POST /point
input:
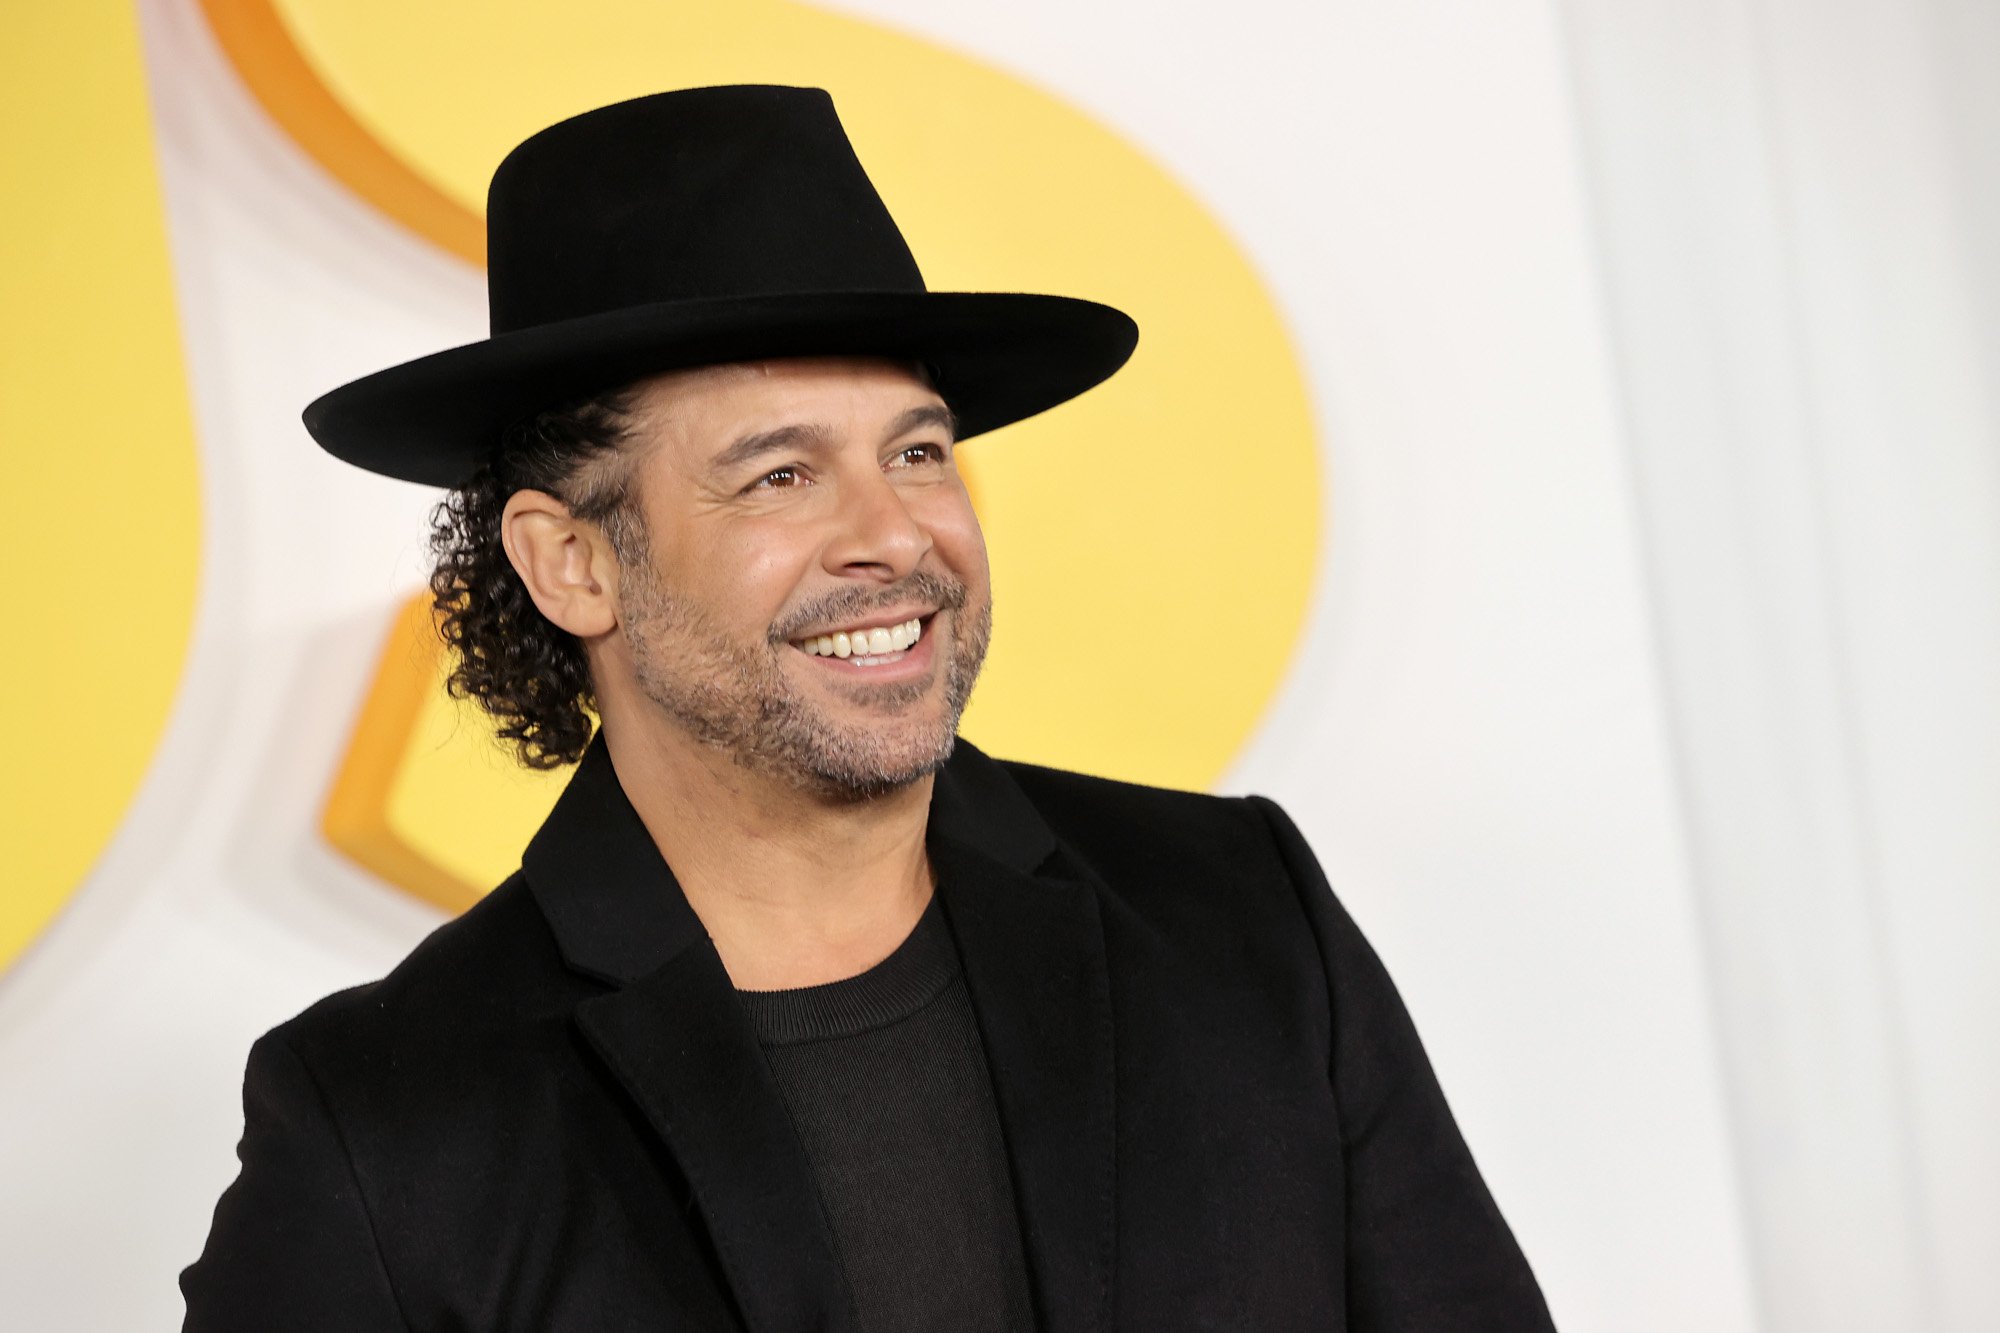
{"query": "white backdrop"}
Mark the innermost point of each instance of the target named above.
(1646, 717)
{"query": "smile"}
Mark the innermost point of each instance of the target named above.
(866, 647)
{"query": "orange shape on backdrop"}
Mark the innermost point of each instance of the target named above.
(426, 797)
(280, 77)
(357, 819)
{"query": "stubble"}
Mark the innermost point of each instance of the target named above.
(739, 700)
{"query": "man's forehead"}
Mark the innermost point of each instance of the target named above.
(734, 383)
(711, 407)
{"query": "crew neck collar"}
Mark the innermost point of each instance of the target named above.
(913, 975)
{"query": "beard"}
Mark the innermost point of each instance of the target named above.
(739, 699)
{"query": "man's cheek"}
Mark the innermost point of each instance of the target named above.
(963, 547)
(752, 577)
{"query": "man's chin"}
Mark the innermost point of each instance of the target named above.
(859, 778)
(867, 752)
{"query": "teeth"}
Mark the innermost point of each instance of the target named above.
(866, 646)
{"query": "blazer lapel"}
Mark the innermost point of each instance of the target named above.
(1032, 944)
(674, 1035)
(680, 1044)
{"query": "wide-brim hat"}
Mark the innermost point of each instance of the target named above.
(690, 228)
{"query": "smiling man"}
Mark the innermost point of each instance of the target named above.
(783, 625)
(801, 1013)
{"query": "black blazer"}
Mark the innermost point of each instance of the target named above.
(555, 1115)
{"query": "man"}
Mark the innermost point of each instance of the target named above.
(799, 1014)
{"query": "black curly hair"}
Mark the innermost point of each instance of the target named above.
(528, 673)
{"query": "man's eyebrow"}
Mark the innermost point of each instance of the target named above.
(807, 435)
(929, 414)
(797, 436)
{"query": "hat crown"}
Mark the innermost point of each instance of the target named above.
(702, 193)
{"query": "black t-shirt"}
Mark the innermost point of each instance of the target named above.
(886, 1081)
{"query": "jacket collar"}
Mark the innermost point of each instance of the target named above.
(618, 913)
(1025, 917)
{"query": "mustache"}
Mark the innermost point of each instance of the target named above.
(849, 604)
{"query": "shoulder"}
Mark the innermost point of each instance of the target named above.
(1129, 825)
(1203, 869)
(469, 986)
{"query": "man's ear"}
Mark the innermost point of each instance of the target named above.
(567, 563)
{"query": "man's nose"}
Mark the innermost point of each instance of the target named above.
(876, 533)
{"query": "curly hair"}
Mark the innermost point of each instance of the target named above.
(529, 674)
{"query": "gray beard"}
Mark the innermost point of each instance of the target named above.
(740, 702)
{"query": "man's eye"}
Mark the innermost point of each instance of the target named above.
(778, 479)
(920, 453)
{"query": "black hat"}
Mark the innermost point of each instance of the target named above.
(695, 227)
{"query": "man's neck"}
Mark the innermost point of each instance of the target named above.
(795, 889)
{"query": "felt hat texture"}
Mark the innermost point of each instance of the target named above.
(690, 228)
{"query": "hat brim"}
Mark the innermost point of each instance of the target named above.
(999, 357)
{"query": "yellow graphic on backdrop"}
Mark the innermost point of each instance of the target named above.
(1153, 543)
(105, 536)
